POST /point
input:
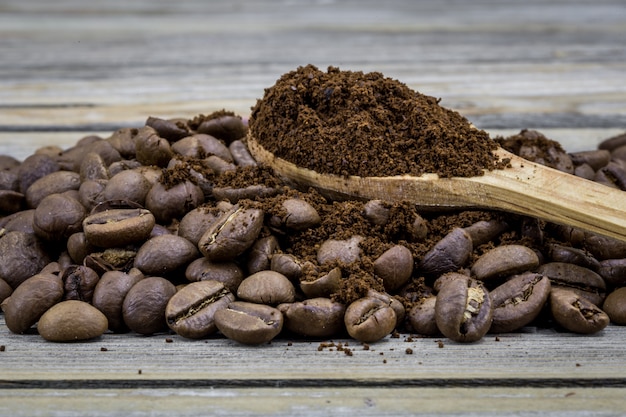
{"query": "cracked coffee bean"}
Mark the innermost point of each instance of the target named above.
(249, 323)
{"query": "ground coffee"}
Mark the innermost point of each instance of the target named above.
(352, 123)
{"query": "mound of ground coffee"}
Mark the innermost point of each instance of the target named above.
(355, 123)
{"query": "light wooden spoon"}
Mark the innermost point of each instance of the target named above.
(526, 188)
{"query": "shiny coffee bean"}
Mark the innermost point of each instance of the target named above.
(128, 185)
(190, 312)
(228, 273)
(118, 228)
(504, 260)
(485, 231)
(168, 203)
(72, 321)
(369, 319)
(151, 149)
(165, 254)
(286, 264)
(394, 267)
(518, 301)
(5, 290)
(53, 183)
(463, 309)
(109, 294)
(613, 271)
(195, 222)
(576, 313)
(449, 254)
(249, 323)
(30, 300)
(422, 317)
(58, 216)
(231, 234)
(582, 281)
(568, 254)
(168, 129)
(321, 284)
(227, 128)
(260, 254)
(144, 306)
(266, 287)
(241, 154)
(296, 214)
(392, 302)
(314, 317)
(344, 251)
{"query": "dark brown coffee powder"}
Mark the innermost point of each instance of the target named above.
(355, 123)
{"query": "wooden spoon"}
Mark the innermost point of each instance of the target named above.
(526, 188)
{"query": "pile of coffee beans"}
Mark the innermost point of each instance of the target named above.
(172, 227)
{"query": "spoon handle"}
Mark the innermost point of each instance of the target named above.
(525, 188)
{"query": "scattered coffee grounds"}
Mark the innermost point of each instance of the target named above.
(354, 123)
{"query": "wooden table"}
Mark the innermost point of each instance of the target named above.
(72, 68)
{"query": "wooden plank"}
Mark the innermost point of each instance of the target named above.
(315, 402)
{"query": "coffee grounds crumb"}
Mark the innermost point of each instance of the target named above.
(3, 348)
(355, 123)
(139, 372)
(409, 351)
(440, 344)
(103, 349)
(395, 335)
(384, 360)
(169, 340)
(366, 346)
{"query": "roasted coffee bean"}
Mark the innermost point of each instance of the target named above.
(144, 306)
(231, 234)
(53, 183)
(90, 193)
(568, 254)
(422, 317)
(394, 267)
(484, 231)
(151, 149)
(259, 256)
(249, 323)
(168, 129)
(127, 185)
(369, 319)
(21, 221)
(111, 259)
(344, 251)
(585, 171)
(79, 248)
(321, 284)
(582, 281)
(613, 271)
(518, 301)
(504, 260)
(72, 321)
(463, 310)
(219, 165)
(11, 201)
(287, 265)
(603, 247)
(450, 254)
(201, 146)
(118, 228)
(5, 290)
(79, 283)
(93, 168)
(109, 294)
(101, 147)
(314, 317)
(576, 313)
(123, 140)
(615, 306)
(228, 273)
(22, 255)
(58, 216)
(613, 142)
(166, 254)
(296, 214)
(30, 300)
(123, 165)
(173, 203)
(377, 212)
(240, 154)
(596, 159)
(227, 128)
(267, 287)
(195, 222)
(251, 192)
(396, 305)
(190, 312)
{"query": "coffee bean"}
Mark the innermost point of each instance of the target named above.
(344, 251)
(33, 168)
(53, 183)
(504, 260)
(463, 310)
(267, 287)
(518, 301)
(613, 272)
(5, 290)
(22, 255)
(151, 149)
(111, 259)
(227, 128)
(585, 171)
(422, 317)
(484, 231)
(166, 254)
(249, 323)
(296, 214)
(392, 302)
(568, 254)
(123, 140)
(615, 306)
(72, 321)
(144, 306)
(449, 254)
(604, 247)
(109, 294)
(117, 228)
(195, 222)
(394, 267)
(287, 265)
(11, 201)
(240, 154)
(168, 129)
(128, 185)
(260, 254)
(79, 283)
(93, 167)
(251, 192)
(314, 317)
(21, 221)
(201, 146)
(190, 312)
(582, 281)
(596, 159)
(167, 204)
(377, 212)
(231, 234)
(58, 216)
(369, 319)
(30, 300)
(228, 273)
(321, 284)
(576, 313)
(91, 193)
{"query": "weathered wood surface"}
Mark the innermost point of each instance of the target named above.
(71, 68)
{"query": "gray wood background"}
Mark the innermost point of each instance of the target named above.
(69, 68)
